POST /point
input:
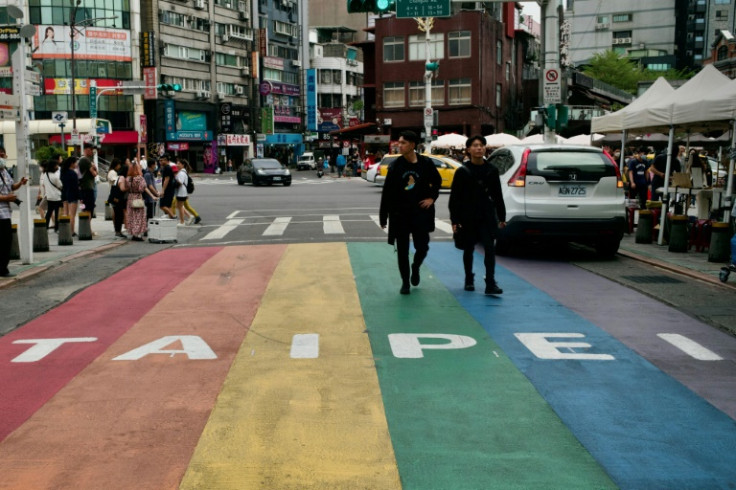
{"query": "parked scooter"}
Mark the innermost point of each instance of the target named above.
(320, 168)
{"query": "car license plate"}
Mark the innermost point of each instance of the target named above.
(572, 191)
(277, 178)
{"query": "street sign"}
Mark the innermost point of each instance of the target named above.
(133, 87)
(9, 100)
(552, 86)
(74, 137)
(104, 126)
(93, 101)
(33, 76)
(422, 8)
(428, 116)
(60, 117)
(33, 89)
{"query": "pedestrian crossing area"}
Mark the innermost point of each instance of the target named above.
(240, 226)
(297, 179)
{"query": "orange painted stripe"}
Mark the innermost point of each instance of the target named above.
(134, 424)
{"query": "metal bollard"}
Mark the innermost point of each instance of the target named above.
(14, 247)
(40, 236)
(719, 250)
(65, 231)
(85, 226)
(644, 228)
(678, 234)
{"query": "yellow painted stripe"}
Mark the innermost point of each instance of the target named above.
(287, 423)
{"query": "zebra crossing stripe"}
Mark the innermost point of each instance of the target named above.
(331, 225)
(223, 230)
(278, 226)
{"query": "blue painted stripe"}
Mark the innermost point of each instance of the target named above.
(644, 427)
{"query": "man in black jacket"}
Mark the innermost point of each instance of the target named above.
(407, 204)
(477, 211)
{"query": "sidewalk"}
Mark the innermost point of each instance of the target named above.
(57, 255)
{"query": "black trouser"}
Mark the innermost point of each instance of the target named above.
(641, 192)
(52, 207)
(150, 209)
(418, 231)
(118, 215)
(485, 238)
(88, 198)
(6, 242)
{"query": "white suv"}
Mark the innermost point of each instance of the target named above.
(560, 192)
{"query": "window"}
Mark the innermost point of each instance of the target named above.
(185, 53)
(722, 2)
(722, 53)
(721, 14)
(499, 52)
(223, 59)
(417, 92)
(508, 71)
(459, 91)
(393, 94)
(418, 47)
(602, 19)
(285, 28)
(623, 17)
(458, 44)
(499, 92)
(393, 49)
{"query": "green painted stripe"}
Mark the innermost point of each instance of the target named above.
(464, 418)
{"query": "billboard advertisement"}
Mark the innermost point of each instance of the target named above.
(90, 43)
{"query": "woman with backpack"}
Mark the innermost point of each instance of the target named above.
(51, 184)
(189, 184)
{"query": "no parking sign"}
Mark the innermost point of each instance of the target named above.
(552, 86)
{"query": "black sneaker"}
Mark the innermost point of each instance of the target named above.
(493, 289)
(197, 220)
(414, 275)
(405, 289)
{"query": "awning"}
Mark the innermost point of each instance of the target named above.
(116, 138)
(357, 130)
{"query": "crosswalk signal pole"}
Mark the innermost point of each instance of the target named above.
(430, 67)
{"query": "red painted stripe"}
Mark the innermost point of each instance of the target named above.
(116, 303)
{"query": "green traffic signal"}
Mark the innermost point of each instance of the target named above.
(169, 87)
(374, 6)
(432, 66)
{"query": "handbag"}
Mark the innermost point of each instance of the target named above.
(460, 237)
(137, 203)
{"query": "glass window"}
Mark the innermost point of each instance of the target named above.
(393, 48)
(417, 92)
(459, 91)
(499, 93)
(393, 94)
(602, 19)
(623, 17)
(458, 44)
(418, 47)
(499, 52)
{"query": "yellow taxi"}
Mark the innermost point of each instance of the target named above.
(446, 166)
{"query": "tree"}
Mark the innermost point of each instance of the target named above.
(48, 152)
(623, 73)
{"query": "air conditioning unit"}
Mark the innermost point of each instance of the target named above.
(200, 94)
(621, 40)
(240, 90)
(296, 62)
(225, 38)
(204, 94)
(199, 4)
(245, 71)
(602, 27)
(220, 95)
(243, 15)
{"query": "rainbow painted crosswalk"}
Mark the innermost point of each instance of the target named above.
(299, 366)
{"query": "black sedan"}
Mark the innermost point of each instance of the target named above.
(263, 171)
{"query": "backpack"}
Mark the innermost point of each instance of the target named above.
(190, 185)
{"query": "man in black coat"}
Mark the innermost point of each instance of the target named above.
(477, 211)
(407, 204)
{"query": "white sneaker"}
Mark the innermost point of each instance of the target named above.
(190, 220)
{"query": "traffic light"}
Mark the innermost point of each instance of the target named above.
(562, 117)
(432, 66)
(167, 88)
(551, 118)
(374, 6)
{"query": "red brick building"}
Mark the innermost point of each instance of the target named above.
(477, 89)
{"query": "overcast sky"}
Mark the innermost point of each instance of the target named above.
(532, 8)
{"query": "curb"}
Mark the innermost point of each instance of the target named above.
(693, 274)
(34, 271)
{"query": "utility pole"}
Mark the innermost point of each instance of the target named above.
(551, 52)
(425, 24)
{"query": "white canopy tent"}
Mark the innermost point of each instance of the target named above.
(613, 122)
(581, 139)
(539, 138)
(669, 113)
(501, 139)
(451, 140)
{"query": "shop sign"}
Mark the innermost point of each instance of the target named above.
(237, 139)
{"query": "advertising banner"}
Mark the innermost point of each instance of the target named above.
(90, 43)
(312, 99)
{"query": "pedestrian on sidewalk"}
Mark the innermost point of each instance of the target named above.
(51, 184)
(477, 211)
(151, 193)
(168, 186)
(637, 171)
(193, 214)
(135, 185)
(7, 196)
(87, 182)
(117, 198)
(340, 162)
(70, 191)
(407, 205)
(180, 180)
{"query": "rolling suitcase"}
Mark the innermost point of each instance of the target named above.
(161, 230)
